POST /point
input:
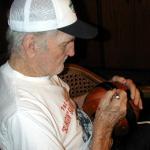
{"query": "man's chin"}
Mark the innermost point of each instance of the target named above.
(60, 69)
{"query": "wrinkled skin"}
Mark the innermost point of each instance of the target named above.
(109, 112)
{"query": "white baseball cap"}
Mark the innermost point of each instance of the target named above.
(45, 15)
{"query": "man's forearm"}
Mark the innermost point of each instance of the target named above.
(102, 140)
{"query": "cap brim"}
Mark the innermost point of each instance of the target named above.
(80, 29)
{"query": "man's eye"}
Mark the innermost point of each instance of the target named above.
(63, 46)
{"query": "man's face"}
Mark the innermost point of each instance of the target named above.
(51, 61)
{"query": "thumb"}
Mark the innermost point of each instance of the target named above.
(107, 98)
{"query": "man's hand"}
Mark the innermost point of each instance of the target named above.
(135, 94)
(110, 110)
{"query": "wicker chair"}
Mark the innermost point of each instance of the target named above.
(80, 79)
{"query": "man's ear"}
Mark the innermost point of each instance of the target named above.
(28, 45)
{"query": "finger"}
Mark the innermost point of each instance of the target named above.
(120, 79)
(135, 94)
(122, 97)
(127, 82)
(138, 100)
(140, 104)
(120, 105)
(132, 88)
(107, 98)
(116, 96)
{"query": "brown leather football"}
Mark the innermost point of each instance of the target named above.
(92, 100)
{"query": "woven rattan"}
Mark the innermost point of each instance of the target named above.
(80, 79)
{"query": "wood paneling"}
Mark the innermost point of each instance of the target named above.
(129, 24)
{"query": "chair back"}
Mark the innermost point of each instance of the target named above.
(80, 79)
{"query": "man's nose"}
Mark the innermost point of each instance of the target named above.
(71, 52)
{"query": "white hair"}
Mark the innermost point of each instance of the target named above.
(15, 39)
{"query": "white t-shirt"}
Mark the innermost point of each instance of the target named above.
(36, 113)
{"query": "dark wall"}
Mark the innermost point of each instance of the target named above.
(90, 52)
(123, 42)
(4, 6)
(129, 24)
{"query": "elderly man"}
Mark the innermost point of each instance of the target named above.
(36, 111)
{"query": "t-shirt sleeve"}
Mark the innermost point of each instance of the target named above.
(27, 133)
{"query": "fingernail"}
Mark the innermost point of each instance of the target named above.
(132, 97)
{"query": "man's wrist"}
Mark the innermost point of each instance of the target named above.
(101, 142)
